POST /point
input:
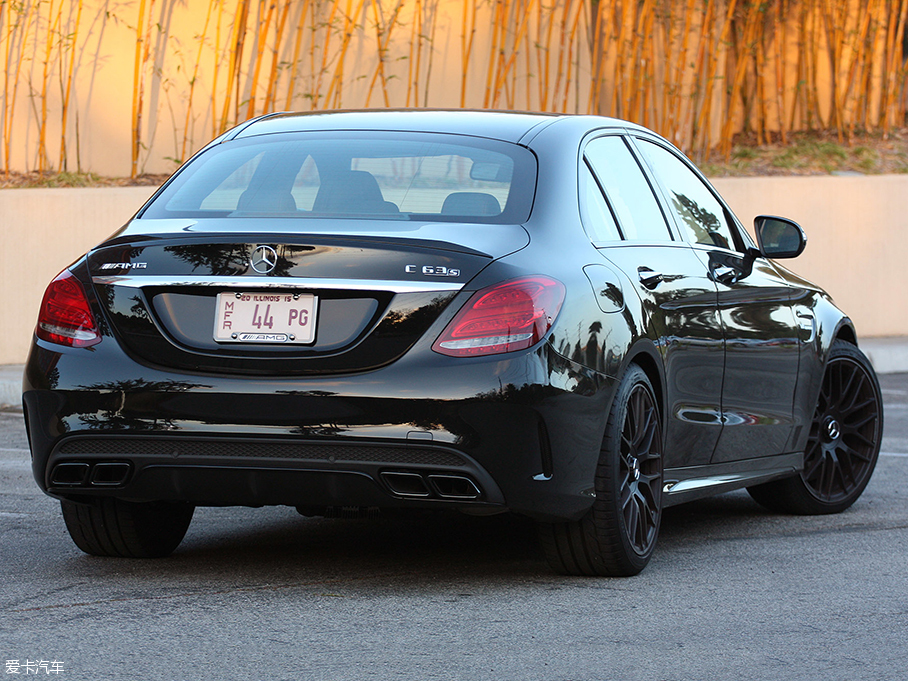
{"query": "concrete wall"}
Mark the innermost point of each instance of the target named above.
(857, 238)
(857, 229)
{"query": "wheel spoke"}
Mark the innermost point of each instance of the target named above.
(847, 396)
(853, 453)
(851, 433)
(625, 492)
(827, 477)
(812, 463)
(631, 514)
(854, 426)
(639, 417)
(645, 521)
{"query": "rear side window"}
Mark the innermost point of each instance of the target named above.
(627, 190)
(598, 221)
(356, 175)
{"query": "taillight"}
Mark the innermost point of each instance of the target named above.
(65, 316)
(506, 317)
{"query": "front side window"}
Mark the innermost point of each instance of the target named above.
(627, 190)
(699, 212)
(399, 176)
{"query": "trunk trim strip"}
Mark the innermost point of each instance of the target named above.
(280, 282)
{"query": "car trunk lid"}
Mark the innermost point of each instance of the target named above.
(366, 294)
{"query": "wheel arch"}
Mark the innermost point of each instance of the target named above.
(645, 355)
(845, 332)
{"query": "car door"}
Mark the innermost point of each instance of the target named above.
(678, 297)
(755, 308)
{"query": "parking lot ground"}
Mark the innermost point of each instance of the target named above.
(733, 592)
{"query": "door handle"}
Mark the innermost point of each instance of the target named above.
(649, 278)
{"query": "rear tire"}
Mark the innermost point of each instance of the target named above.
(617, 536)
(112, 527)
(843, 445)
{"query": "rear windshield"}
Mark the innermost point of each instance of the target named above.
(389, 176)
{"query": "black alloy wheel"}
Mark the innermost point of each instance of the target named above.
(640, 471)
(843, 444)
(618, 535)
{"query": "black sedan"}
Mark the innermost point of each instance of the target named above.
(556, 316)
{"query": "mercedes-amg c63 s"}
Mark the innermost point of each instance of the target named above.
(556, 316)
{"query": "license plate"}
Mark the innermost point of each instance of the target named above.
(265, 318)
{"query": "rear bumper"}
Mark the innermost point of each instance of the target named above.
(520, 434)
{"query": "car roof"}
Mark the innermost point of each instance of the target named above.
(508, 126)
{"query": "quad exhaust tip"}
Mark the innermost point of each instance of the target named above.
(436, 485)
(84, 474)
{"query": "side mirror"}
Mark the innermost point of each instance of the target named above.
(779, 237)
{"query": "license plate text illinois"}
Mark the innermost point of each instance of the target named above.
(265, 318)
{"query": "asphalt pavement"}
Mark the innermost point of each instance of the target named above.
(733, 592)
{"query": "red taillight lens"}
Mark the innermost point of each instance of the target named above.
(65, 316)
(506, 317)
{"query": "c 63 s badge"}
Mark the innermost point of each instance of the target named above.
(432, 271)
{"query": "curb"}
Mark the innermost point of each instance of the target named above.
(888, 355)
(11, 386)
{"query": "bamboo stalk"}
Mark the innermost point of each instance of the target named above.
(418, 65)
(779, 55)
(497, 25)
(597, 51)
(335, 89)
(316, 93)
(218, 58)
(546, 54)
(509, 65)
(271, 90)
(137, 87)
(750, 31)
(380, 53)
(238, 36)
(672, 118)
(466, 46)
(761, 88)
(891, 66)
(857, 57)
(703, 120)
(833, 23)
(430, 39)
(689, 121)
(622, 100)
(571, 39)
(295, 58)
(70, 68)
(43, 160)
(528, 59)
(260, 40)
(192, 81)
(559, 69)
(9, 101)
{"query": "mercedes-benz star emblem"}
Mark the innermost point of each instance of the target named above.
(264, 259)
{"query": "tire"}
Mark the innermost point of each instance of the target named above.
(843, 444)
(617, 535)
(112, 527)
